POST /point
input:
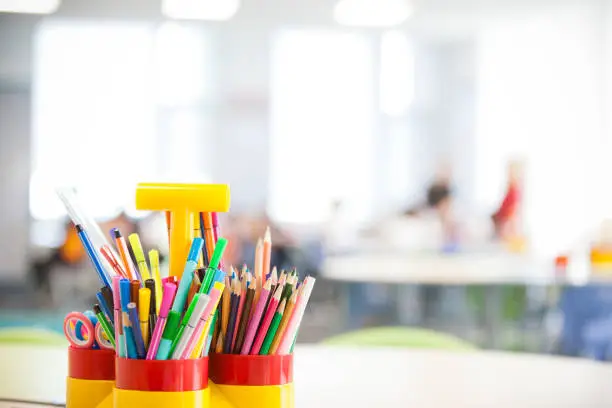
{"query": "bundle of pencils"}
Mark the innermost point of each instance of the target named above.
(260, 312)
(154, 318)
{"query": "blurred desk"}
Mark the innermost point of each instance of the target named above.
(333, 377)
(454, 269)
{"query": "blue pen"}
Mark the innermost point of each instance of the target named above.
(104, 307)
(192, 263)
(128, 330)
(140, 346)
(93, 255)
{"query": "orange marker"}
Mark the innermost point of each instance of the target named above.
(125, 255)
(209, 235)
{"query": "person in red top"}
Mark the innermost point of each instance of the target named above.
(506, 217)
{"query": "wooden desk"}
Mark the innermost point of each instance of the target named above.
(356, 378)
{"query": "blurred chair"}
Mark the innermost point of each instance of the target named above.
(400, 337)
(31, 336)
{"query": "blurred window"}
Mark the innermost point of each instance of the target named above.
(114, 103)
(322, 125)
(396, 73)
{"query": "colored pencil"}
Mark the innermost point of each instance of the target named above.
(235, 300)
(283, 324)
(278, 316)
(265, 325)
(258, 266)
(257, 316)
(244, 318)
(267, 254)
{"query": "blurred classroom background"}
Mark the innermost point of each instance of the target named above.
(440, 165)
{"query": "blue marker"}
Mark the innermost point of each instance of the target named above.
(128, 331)
(140, 346)
(93, 255)
(183, 288)
(219, 277)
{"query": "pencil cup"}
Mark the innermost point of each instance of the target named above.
(251, 381)
(161, 383)
(91, 377)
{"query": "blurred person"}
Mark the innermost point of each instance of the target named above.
(506, 218)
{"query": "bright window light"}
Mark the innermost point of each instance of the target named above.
(322, 126)
(396, 73)
(372, 13)
(219, 10)
(29, 6)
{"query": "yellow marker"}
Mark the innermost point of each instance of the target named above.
(154, 261)
(197, 350)
(144, 302)
(183, 201)
(140, 257)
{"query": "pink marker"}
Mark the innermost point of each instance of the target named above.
(118, 323)
(167, 299)
(215, 295)
(215, 227)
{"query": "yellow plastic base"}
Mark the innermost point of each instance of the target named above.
(87, 393)
(157, 399)
(239, 396)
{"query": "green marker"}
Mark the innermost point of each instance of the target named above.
(104, 323)
(186, 318)
(214, 264)
(170, 331)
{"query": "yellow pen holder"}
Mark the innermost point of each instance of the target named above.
(161, 383)
(251, 381)
(91, 377)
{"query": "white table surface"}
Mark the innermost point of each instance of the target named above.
(356, 378)
(453, 269)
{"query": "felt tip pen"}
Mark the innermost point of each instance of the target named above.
(193, 306)
(205, 258)
(105, 324)
(200, 302)
(110, 257)
(214, 264)
(172, 327)
(104, 307)
(109, 300)
(144, 306)
(157, 295)
(138, 340)
(215, 296)
(95, 260)
(168, 297)
(134, 288)
(130, 342)
(215, 226)
(124, 254)
(119, 335)
(151, 285)
(187, 278)
(140, 256)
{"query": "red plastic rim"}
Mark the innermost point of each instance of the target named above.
(234, 369)
(162, 375)
(88, 364)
